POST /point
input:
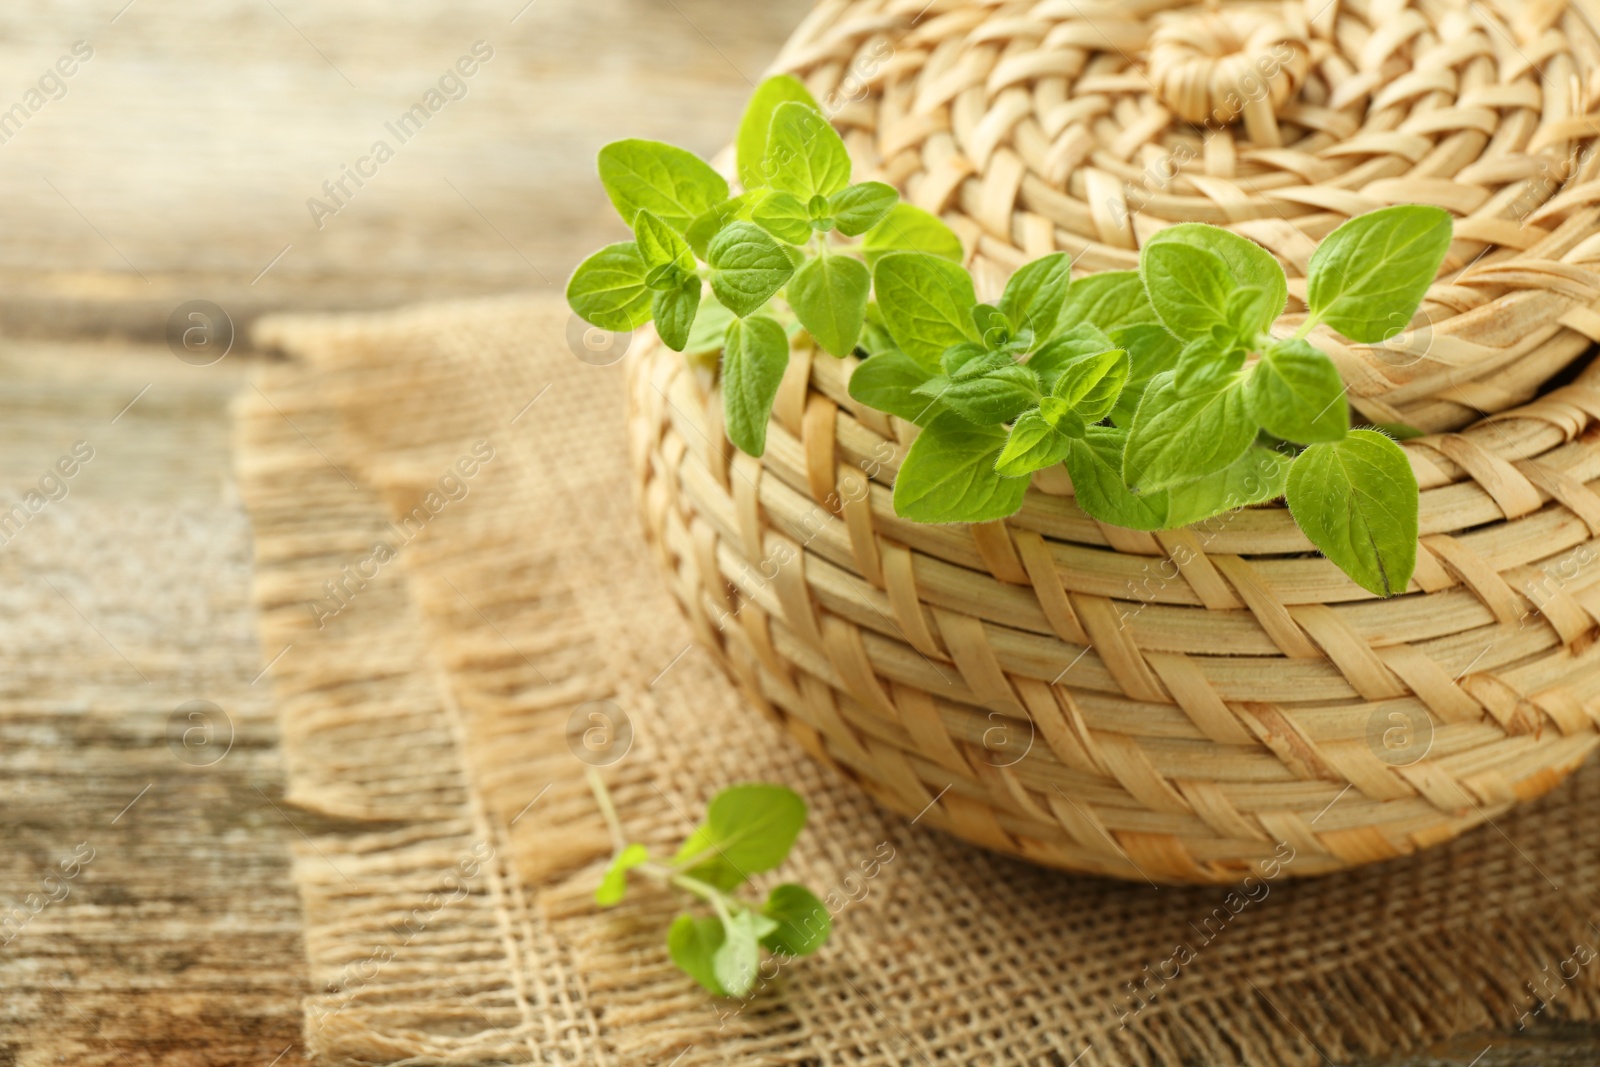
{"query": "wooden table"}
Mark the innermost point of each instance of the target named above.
(178, 166)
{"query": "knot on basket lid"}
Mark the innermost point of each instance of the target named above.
(1211, 66)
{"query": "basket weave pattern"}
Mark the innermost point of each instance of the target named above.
(1174, 706)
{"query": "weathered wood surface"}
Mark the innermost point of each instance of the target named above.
(177, 166)
(146, 909)
(180, 159)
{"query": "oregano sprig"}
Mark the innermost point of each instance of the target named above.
(749, 829)
(1164, 391)
(793, 250)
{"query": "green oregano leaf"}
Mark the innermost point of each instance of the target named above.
(987, 399)
(693, 943)
(1035, 295)
(1188, 286)
(1108, 299)
(748, 829)
(1151, 350)
(1033, 444)
(926, 302)
(1127, 405)
(1295, 393)
(858, 208)
(805, 155)
(971, 358)
(994, 328)
(1177, 437)
(1090, 384)
(1059, 413)
(662, 277)
(1208, 361)
(784, 216)
(829, 297)
(674, 184)
(736, 959)
(754, 357)
(801, 921)
(1258, 475)
(1094, 462)
(750, 146)
(948, 474)
(674, 311)
(1246, 263)
(710, 327)
(1072, 345)
(1367, 278)
(608, 288)
(875, 336)
(910, 229)
(660, 246)
(747, 267)
(709, 222)
(614, 885)
(888, 382)
(1245, 312)
(1356, 499)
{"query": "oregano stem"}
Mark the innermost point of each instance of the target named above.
(665, 875)
(704, 890)
(608, 810)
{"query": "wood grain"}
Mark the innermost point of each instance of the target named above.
(175, 939)
(180, 160)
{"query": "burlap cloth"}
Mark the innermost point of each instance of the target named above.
(439, 629)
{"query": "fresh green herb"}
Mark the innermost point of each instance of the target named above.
(857, 209)
(751, 143)
(754, 357)
(1178, 437)
(1367, 278)
(749, 829)
(949, 476)
(1163, 391)
(1188, 286)
(910, 229)
(829, 297)
(1295, 393)
(1110, 299)
(1033, 444)
(889, 381)
(747, 267)
(675, 184)
(927, 304)
(1034, 295)
(1356, 499)
(806, 157)
(608, 288)
(1248, 266)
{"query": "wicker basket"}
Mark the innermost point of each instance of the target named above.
(1182, 706)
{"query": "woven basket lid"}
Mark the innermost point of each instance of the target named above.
(1087, 125)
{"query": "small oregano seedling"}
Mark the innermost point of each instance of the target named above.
(749, 829)
(1163, 390)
